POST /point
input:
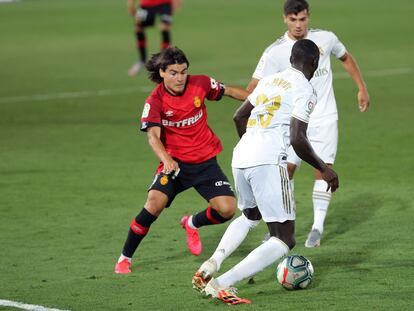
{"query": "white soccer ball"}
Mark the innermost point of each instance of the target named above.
(295, 272)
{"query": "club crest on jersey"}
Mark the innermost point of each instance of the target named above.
(164, 180)
(197, 102)
(311, 105)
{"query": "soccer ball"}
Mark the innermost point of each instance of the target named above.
(295, 272)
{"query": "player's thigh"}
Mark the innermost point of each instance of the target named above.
(166, 14)
(271, 189)
(245, 197)
(145, 16)
(324, 140)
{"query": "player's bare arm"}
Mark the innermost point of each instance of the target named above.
(304, 150)
(351, 66)
(154, 134)
(236, 92)
(241, 117)
(131, 7)
(252, 85)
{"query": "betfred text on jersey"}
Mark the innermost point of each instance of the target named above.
(188, 121)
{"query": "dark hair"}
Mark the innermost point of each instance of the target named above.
(295, 6)
(162, 60)
(304, 51)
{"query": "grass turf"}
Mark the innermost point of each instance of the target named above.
(74, 169)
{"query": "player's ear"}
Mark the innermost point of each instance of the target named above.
(162, 73)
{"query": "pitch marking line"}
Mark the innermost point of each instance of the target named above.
(111, 92)
(24, 306)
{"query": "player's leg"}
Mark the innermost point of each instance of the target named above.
(235, 233)
(160, 195)
(293, 164)
(139, 227)
(213, 185)
(166, 19)
(275, 203)
(144, 18)
(324, 140)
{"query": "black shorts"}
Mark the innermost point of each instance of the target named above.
(146, 15)
(206, 177)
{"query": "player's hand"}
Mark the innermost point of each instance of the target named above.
(331, 178)
(363, 100)
(132, 10)
(170, 166)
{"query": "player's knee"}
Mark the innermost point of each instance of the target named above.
(227, 211)
(290, 242)
(155, 204)
(251, 223)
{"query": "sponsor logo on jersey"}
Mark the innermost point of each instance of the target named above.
(213, 83)
(197, 102)
(320, 72)
(164, 180)
(321, 51)
(181, 123)
(145, 112)
(222, 183)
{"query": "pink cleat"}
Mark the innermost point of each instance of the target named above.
(123, 267)
(193, 239)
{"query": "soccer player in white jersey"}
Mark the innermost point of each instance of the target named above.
(323, 123)
(275, 114)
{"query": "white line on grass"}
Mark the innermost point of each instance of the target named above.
(24, 306)
(110, 92)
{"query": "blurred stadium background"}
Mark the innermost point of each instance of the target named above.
(74, 169)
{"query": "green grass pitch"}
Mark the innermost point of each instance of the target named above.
(74, 169)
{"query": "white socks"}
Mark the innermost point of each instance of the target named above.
(321, 200)
(258, 259)
(235, 234)
(122, 257)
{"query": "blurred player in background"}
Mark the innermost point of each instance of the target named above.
(144, 16)
(323, 124)
(278, 108)
(175, 120)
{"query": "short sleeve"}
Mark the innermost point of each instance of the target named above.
(304, 103)
(151, 114)
(265, 67)
(338, 49)
(215, 89)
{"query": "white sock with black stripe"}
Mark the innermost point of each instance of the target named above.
(321, 199)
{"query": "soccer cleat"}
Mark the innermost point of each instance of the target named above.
(123, 267)
(230, 298)
(314, 239)
(135, 68)
(193, 239)
(204, 274)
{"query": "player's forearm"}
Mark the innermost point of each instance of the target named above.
(236, 93)
(302, 146)
(252, 85)
(131, 6)
(351, 66)
(241, 116)
(158, 147)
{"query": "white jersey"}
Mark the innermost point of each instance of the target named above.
(276, 99)
(276, 58)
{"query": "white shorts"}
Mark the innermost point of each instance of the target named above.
(324, 140)
(268, 188)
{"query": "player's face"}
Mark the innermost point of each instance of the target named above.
(297, 24)
(175, 77)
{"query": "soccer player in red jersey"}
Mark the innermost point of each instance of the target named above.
(175, 120)
(144, 16)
